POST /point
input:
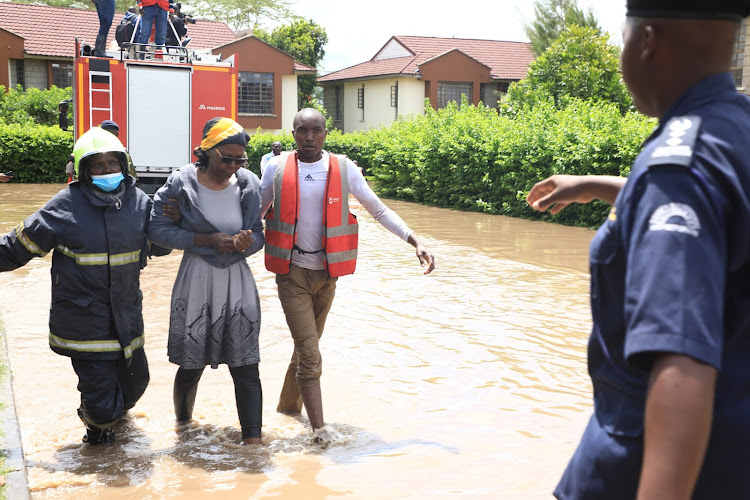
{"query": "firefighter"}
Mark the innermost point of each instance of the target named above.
(97, 231)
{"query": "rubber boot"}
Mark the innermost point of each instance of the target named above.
(96, 436)
(100, 46)
(313, 405)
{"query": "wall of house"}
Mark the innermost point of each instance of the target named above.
(411, 94)
(256, 56)
(746, 62)
(288, 101)
(378, 110)
(353, 115)
(453, 67)
(11, 47)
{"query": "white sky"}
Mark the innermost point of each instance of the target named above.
(357, 29)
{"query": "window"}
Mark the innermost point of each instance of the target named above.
(17, 73)
(339, 107)
(62, 75)
(452, 91)
(394, 96)
(255, 93)
(738, 59)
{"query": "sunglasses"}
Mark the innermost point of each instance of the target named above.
(227, 160)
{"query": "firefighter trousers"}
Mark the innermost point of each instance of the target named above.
(109, 388)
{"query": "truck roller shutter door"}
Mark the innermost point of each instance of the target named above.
(159, 117)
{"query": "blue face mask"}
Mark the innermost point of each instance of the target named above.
(107, 182)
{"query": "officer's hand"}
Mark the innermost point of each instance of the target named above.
(557, 192)
(4, 178)
(242, 240)
(172, 211)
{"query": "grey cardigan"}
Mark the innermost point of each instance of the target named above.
(182, 185)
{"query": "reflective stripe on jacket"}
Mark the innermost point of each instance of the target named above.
(340, 235)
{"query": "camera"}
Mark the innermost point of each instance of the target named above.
(8, 174)
(185, 17)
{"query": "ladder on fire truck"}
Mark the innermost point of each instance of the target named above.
(99, 77)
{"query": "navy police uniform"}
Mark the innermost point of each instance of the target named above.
(670, 272)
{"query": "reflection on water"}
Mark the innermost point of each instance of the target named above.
(468, 383)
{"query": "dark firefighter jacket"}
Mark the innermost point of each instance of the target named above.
(99, 249)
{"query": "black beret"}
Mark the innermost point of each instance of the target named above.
(690, 9)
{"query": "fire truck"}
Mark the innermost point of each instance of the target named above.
(160, 102)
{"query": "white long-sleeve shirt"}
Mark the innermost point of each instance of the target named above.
(312, 186)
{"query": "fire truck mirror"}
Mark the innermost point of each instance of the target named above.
(63, 109)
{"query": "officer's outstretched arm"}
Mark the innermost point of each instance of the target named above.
(679, 409)
(558, 191)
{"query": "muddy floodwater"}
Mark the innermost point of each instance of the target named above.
(468, 383)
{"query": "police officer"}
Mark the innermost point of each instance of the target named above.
(669, 353)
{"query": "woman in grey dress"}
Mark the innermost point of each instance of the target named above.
(215, 317)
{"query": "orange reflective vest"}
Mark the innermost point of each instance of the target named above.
(341, 229)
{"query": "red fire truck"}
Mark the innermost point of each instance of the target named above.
(160, 104)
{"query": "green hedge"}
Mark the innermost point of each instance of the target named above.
(472, 159)
(468, 158)
(35, 153)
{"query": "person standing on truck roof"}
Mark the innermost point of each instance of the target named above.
(275, 151)
(311, 240)
(97, 229)
(215, 315)
(105, 9)
(154, 12)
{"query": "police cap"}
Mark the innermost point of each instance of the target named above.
(690, 9)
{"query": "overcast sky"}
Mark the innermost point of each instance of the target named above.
(358, 29)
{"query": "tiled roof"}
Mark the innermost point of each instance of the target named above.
(298, 66)
(50, 31)
(506, 60)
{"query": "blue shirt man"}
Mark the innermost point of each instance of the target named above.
(669, 350)
(275, 151)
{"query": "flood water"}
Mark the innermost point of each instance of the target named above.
(467, 383)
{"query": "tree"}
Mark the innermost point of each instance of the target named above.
(582, 64)
(239, 14)
(305, 41)
(550, 19)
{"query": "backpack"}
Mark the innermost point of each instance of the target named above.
(124, 31)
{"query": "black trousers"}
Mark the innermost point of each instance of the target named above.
(109, 388)
(247, 392)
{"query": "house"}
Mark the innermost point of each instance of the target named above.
(407, 69)
(267, 94)
(40, 46)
